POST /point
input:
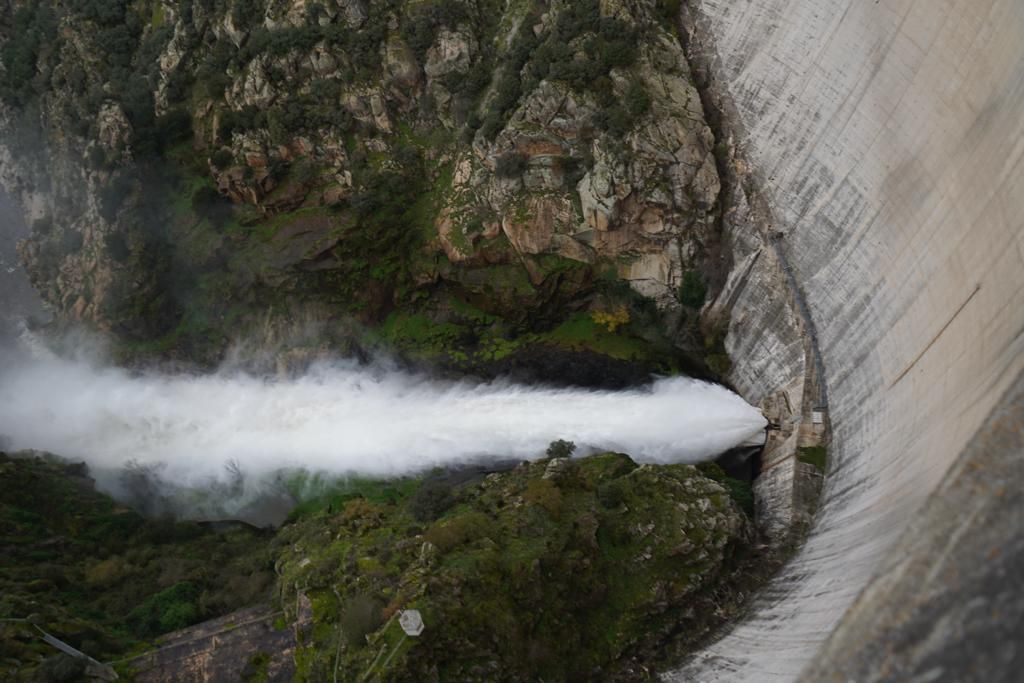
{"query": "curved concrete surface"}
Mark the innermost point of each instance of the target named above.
(887, 137)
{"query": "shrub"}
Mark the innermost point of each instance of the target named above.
(669, 11)
(742, 492)
(638, 101)
(611, 494)
(430, 501)
(510, 164)
(108, 572)
(113, 195)
(178, 615)
(117, 247)
(617, 121)
(34, 28)
(491, 125)
(173, 127)
(611, 319)
(247, 118)
(421, 28)
(359, 510)
(245, 13)
(576, 18)
(573, 170)
(209, 204)
(204, 198)
(545, 493)
(305, 171)
(510, 88)
(448, 534)
(61, 668)
(692, 291)
(168, 610)
(222, 159)
(212, 83)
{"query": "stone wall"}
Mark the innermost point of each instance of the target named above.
(886, 139)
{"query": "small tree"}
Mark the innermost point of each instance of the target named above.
(560, 449)
(692, 291)
(510, 164)
(222, 159)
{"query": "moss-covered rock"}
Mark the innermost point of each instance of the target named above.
(554, 570)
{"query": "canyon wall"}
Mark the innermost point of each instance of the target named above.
(887, 140)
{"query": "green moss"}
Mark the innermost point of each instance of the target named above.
(814, 455)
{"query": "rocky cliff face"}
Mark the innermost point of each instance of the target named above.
(187, 166)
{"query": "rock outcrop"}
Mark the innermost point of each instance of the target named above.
(555, 569)
(525, 141)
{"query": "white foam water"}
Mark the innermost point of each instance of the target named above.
(348, 419)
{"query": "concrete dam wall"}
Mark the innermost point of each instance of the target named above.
(883, 184)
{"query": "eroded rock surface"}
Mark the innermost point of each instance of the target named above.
(485, 150)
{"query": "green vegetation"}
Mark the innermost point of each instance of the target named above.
(606, 42)
(668, 11)
(509, 88)
(469, 338)
(546, 569)
(212, 268)
(318, 492)
(560, 449)
(100, 576)
(32, 38)
(814, 455)
(541, 572)
(258, 669)
(427, 18)
(582, 331)
(715, 355)
(510, 165)
(742, 492)
(692, 291)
